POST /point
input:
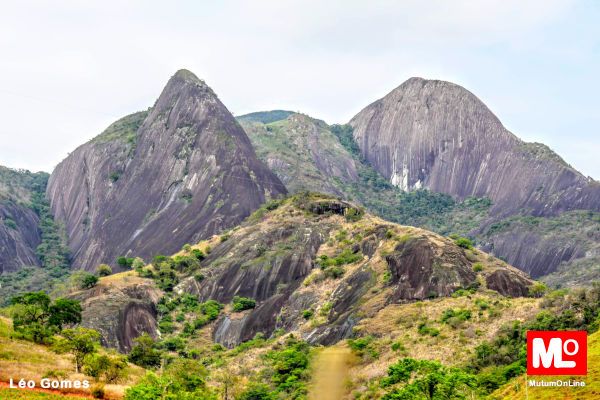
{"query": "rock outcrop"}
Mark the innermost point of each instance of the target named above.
(437, 135)
(19, 237)
(19, 224)
(320, 255)
(121, 309)
(155, 180)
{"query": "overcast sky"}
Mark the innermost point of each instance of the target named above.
(70, 68)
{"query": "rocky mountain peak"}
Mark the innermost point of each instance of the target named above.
(438, 135)
(184, 171)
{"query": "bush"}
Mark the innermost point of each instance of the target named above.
(243, 303)
(198, 254)
(144, 352)
(125, 262)
(463, 242)
(88, 281)
(307, 314)
(334, 272)
(477, 267)
(425, 329)
(455, 317)
(103, 270)
(257, 391)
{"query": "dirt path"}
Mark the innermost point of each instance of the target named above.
(330, 373)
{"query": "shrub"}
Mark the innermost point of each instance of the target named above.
(334, 272)
(103, 270)
(307, 314)
(477, 267)
(538, 289)
(463, 242)
(424, 329)
(89, 281)
(125, 262)
(198, 254)
(363, 346)
(243, 303)
(257, 391)
(144, 352)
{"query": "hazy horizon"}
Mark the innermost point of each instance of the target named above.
(70, 69)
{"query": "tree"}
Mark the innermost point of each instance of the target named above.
(89, 281)
(80, 342)
(144, 353)
(35, 316)
(111, 367)
(103, 270)
(125, 262)
(243, 303)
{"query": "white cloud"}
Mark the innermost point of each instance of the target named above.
(69, 68)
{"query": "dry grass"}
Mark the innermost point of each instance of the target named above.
(20, 359)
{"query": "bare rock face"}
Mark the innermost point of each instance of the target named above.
(121, 311)
(156, 180)
(19, 236)
(419, 270)
(437, 135)
(278, 258)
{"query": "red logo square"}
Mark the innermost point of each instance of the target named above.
(557, 353)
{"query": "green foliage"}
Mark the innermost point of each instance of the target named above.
(504, 357)
(307, 314)
(114, 176)
(455, 318)
(424, 380)
(463, 242)
(87, 281)
(290, 368)
(424, 329)
(266, 117)
(538, 289)
(110, 367)
(103, 270)
(364, 346)
(257, 391)
(183, 379)
(198, 254)
(80, 342)
(125, 262)
(347, 256)
(10, 223)
(477, 267)
(243, 303)
(144, 352)
(37, 318)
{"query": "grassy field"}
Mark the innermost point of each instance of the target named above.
(21, 359)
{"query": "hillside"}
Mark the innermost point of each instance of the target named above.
(154, 180)
(33, 252)
(439, 136)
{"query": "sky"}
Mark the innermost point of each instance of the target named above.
(70, 68)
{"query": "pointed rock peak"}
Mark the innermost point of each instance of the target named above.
(187, 76)
(184, 84)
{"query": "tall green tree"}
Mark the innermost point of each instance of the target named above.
(37, 317)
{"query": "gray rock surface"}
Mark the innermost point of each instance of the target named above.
(19, 236)
(156, 180)
(438, 135)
